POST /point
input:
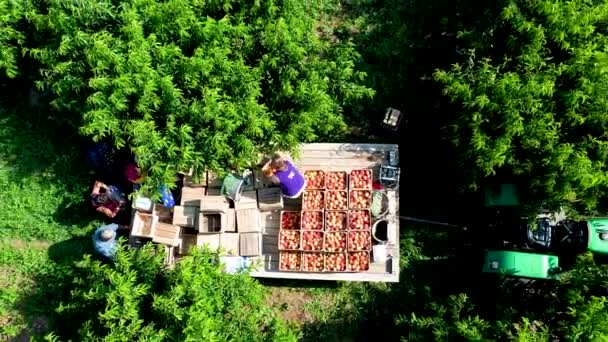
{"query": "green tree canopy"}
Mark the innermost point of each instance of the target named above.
(203, 84)
(533, 99)
(137, 299)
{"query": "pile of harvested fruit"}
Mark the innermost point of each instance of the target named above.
(335, 180)
(360, 199)
(315, 179)
(290, 220)
(312, 220)
(332, 232)
(290, 261)
(361, 179)
(335, 220)
(313, 200)
(336, 200)
(312, 240)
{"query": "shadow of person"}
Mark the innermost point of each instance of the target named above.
(69, 251)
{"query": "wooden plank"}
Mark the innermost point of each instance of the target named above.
(270, 219)
(212, 241)
(349, 147)
(230, 221)
(166, 234)
(361, 276)
(329, 164)
(271, 231)
(269, 244)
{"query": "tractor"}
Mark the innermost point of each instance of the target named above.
(537, 249)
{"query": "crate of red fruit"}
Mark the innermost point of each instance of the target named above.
(312, 262)
(313, 200)
(359, 219)
(360, 199)
(289, 239)
(335, 262)
(335, 242)
(315, 179)
(336, 220)
(336, 200)
(312, 220)
(312, 240)
(290, 261)
(336, 180)
(359, 240)
(357, 261)
(290, 220)
(360, 179)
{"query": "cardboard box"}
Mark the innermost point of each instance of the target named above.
(167, 234)
(270, 199)
(185, 216)
(212, 241)
(248, 200)
(192, 196)
(250, 244)
(248, 221)
(229, 243)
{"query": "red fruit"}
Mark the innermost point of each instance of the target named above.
(289, 239)
(313, 200)
(335, 180)
(361, 179)
(312, 220)
(359, 240)
(312, 241)
(335, 262)
(290, 220)
(360, 199)
(335, 220)
(359, 219)
(314, 179)
(290, 261)
(312, 262)
(358, 261)
(335, 242)
(336, 200)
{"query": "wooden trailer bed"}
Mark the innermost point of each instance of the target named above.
(333, 157)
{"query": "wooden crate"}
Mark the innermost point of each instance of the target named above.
(213, 192)
(213, 180)
(250, 244)
(185, 216)
(167, 234)
(187, 241)
(212, 241)
(143, 224)
(230, 221)
(163, 213)
(211, 222)
(248, 221)
(270, 199)
(248, 200)
(169, 255)
(214, 204)
(229, 243)
(192, 196)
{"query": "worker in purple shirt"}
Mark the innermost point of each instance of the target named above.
(284, 173)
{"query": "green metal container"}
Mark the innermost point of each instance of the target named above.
(232, 186)
(521, 264)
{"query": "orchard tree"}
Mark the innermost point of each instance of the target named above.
(533, 99)
(203, 84)
(11, 12)
(137, 298)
